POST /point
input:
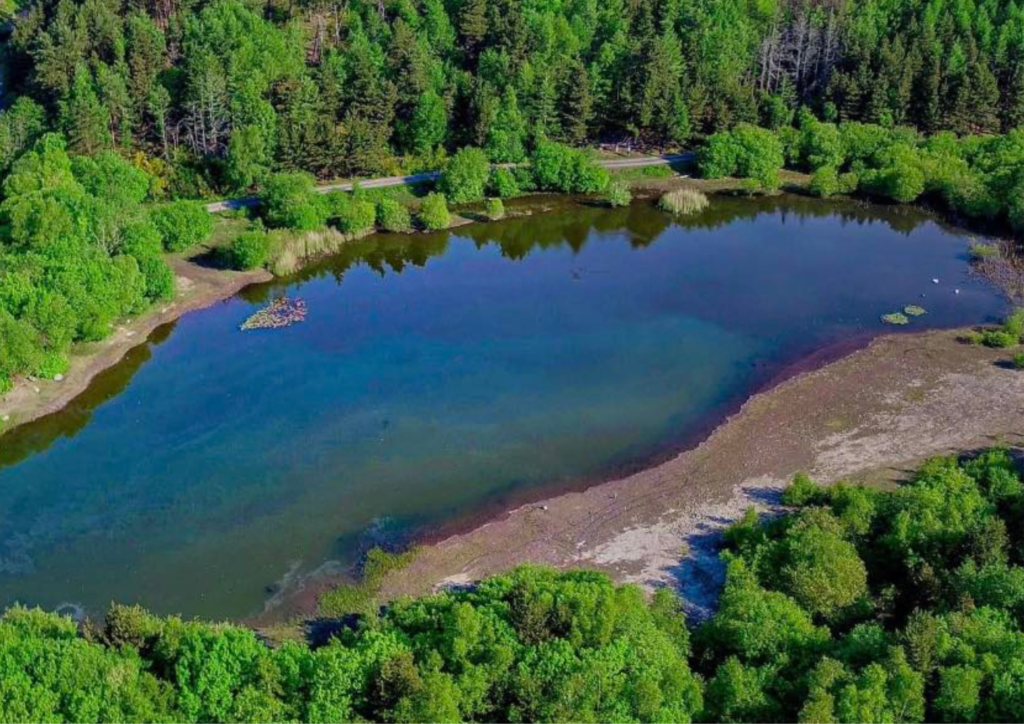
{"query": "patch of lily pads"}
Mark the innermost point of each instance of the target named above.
(902, 318)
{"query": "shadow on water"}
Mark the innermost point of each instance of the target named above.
(531, 227)
(38, 435)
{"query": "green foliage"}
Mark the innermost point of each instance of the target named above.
(618, 194)
(825, 182)
(182, 224)
(557, 167)
(1018, 360)
(494, 209)
(980, 251)
(465, 177)
(393, 216)
(76, 253)
(895, 318)
(288, 200)
(249, 250)
(747, 152)
(532, 645)
(350, 214)
(1008, 335)
(862, 605)
(434, 212)
(504, 184)
(916, 587)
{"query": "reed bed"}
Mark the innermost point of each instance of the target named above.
(683, 202)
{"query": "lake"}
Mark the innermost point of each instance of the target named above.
(439, 376)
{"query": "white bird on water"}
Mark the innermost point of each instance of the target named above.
(935, 281)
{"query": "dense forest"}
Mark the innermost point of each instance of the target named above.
(857, 605)
(118, 115)
(214, 95)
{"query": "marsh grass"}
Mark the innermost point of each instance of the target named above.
(288, 250)
(362, 597)
(683, 202)
(979, 251)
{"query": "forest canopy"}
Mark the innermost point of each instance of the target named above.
(857, 605)
(215, 95)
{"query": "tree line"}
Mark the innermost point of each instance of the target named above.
(859, 604)
(212, 96)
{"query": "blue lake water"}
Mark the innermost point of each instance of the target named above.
(435, 377)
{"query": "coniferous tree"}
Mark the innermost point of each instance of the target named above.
(575, 103)
(84, 119)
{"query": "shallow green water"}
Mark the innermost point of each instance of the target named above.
(435, 377)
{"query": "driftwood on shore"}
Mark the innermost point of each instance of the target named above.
(282, 312)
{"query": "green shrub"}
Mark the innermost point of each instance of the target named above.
(999, 339)
(434, 212)
(504, 184)
(825, 182)
(747, 152)
(1008, 335)
(393, 216)
(494, 209)
(466, 175)
(159, 278)
(183, 224)
(618, 194)
(683, 202)
(561, 168)
(821, 144)
(1014, 324)
(351, 215)
(719, 156)
(249, 250)
(1018, 360)
(289, 201)
(53, 364)
(913, 310)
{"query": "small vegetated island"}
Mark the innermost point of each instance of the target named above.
(123, 119)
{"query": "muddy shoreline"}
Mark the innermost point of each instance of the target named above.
(198, 287)
(471, 546)
(670, 449)
(870, 416)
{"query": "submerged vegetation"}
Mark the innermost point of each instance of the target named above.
(896, 318)
(858, 605)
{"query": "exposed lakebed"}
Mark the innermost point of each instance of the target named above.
(436, 376)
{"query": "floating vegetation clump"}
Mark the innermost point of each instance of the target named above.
(280, 313)
(895, 318)
(980, 251)
(683, 202)
(912, 310)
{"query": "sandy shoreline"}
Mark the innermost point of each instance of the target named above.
(198, 287)
(869, 416)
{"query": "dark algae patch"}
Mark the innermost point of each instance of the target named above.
(438, 375)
